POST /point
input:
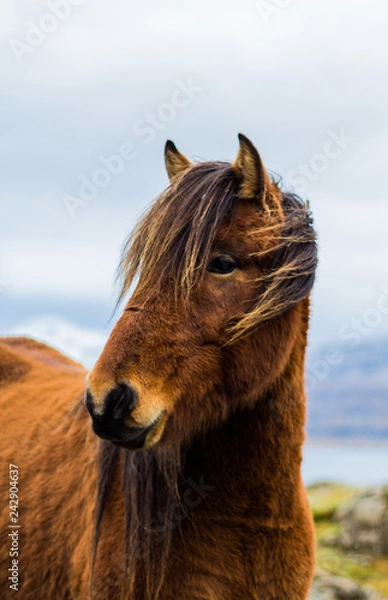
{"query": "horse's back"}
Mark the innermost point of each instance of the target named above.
(36, 381)
(46, 434)
(20, 354)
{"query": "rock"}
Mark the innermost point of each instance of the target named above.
(364, 522)
(328, 587)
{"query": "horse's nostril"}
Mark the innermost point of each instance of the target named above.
(120, 401)
(89, 402)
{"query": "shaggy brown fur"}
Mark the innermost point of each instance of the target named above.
(208, 367)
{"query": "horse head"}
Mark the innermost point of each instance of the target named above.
(219, 268)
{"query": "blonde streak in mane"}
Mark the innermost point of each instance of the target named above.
(271, 303)
(143, 250)
(191, 259)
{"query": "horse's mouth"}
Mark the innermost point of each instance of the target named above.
(135, 438)
(131, 438)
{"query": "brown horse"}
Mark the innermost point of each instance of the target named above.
(195, 491)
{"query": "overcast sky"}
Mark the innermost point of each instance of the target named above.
(81, 81)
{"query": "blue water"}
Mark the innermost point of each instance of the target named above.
(352, 464)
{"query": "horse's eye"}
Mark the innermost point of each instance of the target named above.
(222, 264)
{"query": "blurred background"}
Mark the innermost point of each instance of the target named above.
(91, 90)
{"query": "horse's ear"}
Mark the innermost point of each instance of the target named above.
(175, 161)
(250, 170)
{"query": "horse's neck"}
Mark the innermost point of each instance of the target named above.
(240, 477)
(251, 465)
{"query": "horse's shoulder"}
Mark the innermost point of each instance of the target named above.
(18, 355)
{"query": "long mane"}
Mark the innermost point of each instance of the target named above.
(177, 234)
(151, 483)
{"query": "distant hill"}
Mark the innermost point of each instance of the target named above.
(348, 392)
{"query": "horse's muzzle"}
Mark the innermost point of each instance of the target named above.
(109, 423)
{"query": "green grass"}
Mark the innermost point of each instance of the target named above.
(326, 498)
